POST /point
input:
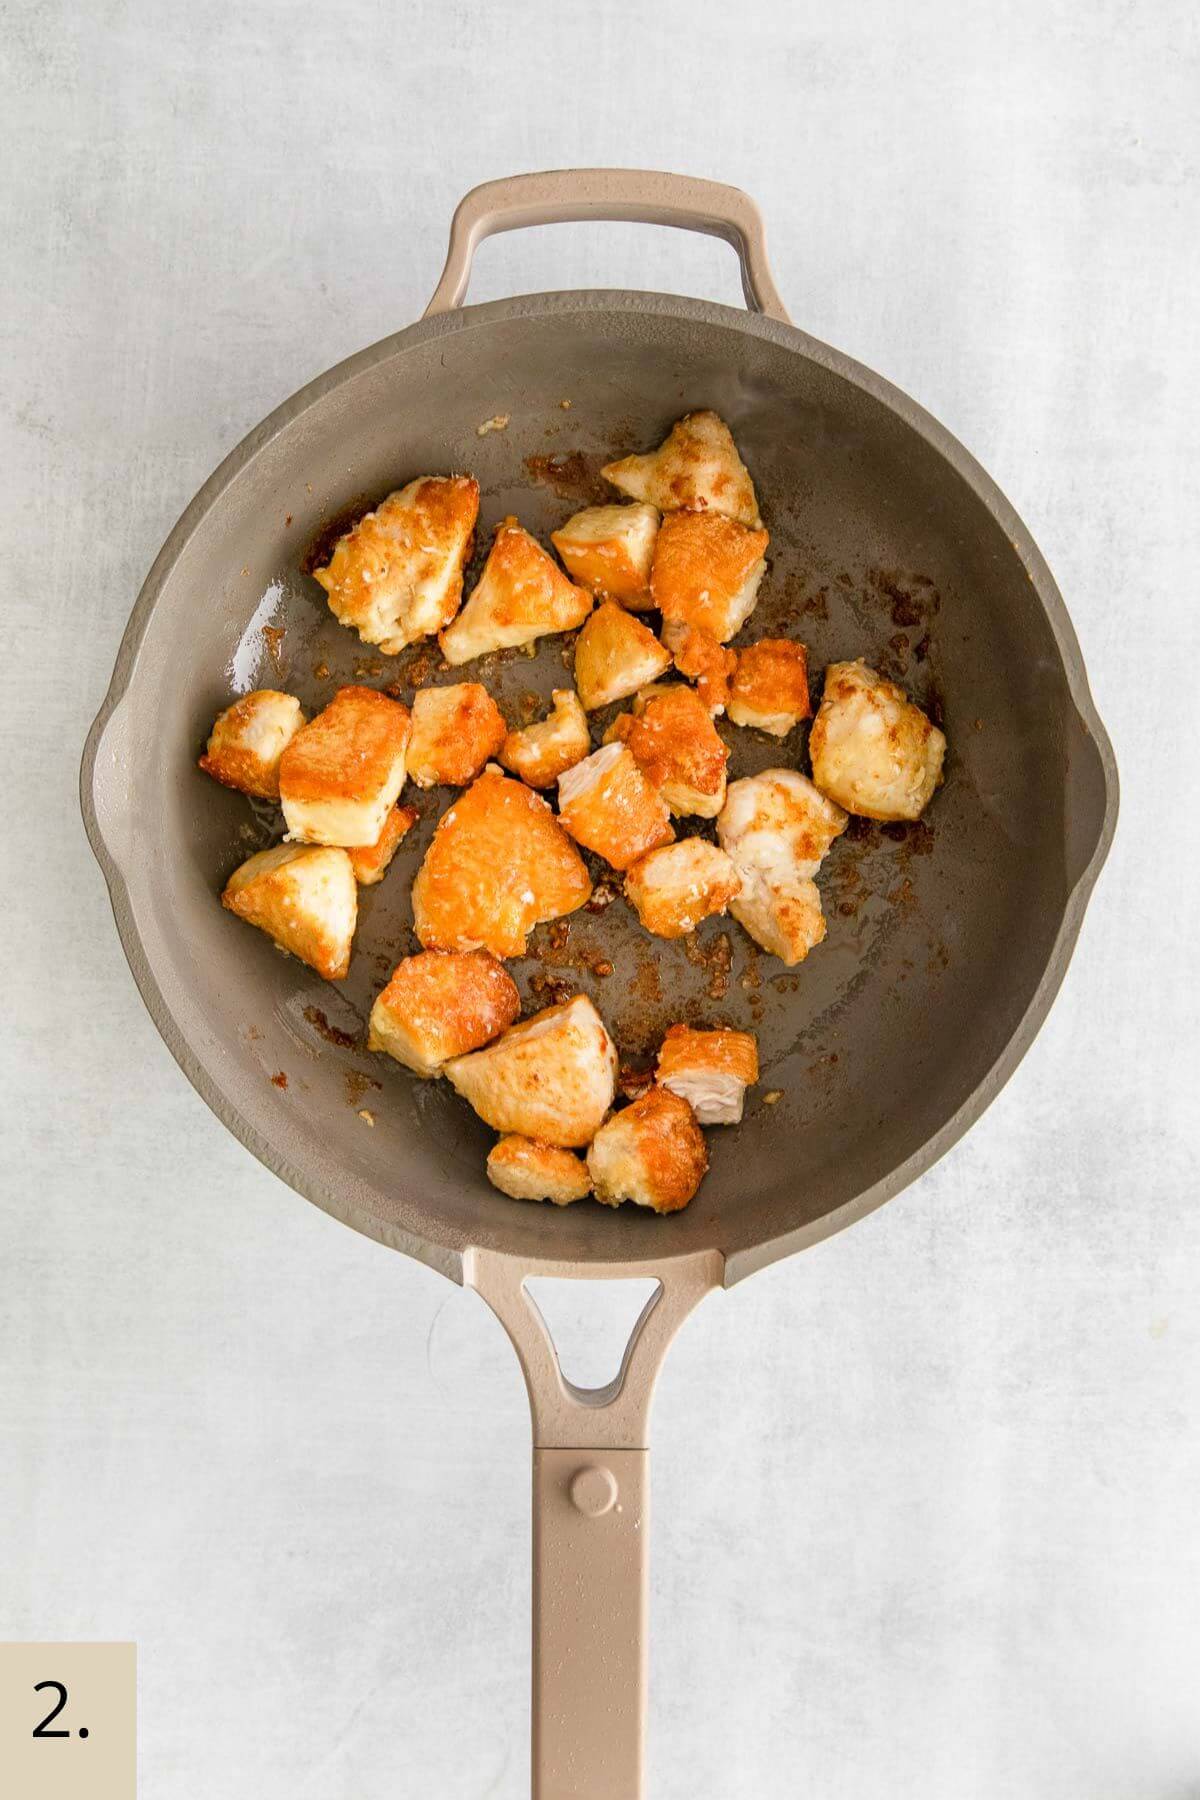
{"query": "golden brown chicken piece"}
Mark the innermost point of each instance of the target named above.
(306, 899)
(777, 827)
(526, 1170)
(440, 1004)
(872, 749)
(552, 1077)
(706, 572)
(674, 888)
(770, 686)
(521, 595)
(454, 731)
(370, 861)
(697, 465)
(397, 576)
(676, 746)
(615, 655)
(652, 1153)
(606, 804)
(540, 753)
(609, 549)
(499, 864)
(341, 774)
(711, 1070)
(248, 739)
(701, 658)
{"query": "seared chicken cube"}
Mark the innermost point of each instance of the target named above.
(676, 887)
(777, 827)
(397, 576)
(521, 595)
(676, 746)
(607, 805)
(770, 686)
(782, 913)
(341, 774)
(872, 749)
(454, 732)
(306, 899)
(615, 655)
(370, 861)
(652, 1153)
(540, 753)
(711, 1070)
(441, 1004)
(609, 549)
(697, 465)
(499, 864)
(552, 1077)
(706, 572)
(526, 1170)
(702, 658)
(248, 739)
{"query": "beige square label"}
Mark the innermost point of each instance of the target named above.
(68, 1721)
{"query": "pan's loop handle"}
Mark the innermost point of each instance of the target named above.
(590, 1526)
(646, 196)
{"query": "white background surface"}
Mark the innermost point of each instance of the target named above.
(926, 1498)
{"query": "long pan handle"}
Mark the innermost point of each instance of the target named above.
(590, 1526)
(646, 196)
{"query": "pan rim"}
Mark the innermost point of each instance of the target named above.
(446, 1257)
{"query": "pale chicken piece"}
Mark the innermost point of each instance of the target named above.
(609, 549)
(770, 686)
(340, 776)
(697, 465)
(872, 749)
(440, 1004)
(306, 899)
(552, 1077)
(676, 745)
(615, 655)
(521, 595)
(652, 1153)
(777, 827)
(499, 864)
(370, 861)
(248, 739)
(524, 1169)
(702, 659)
(454, 732)
(674, 888)
(397, 576)
(711, 1070)
(707, 571)
(540, 753)
(606, 804)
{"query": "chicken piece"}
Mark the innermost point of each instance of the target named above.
(609, 549)
(526, 1170)
(770, 686)
(398, 575)
(454, 732)
(499, 864)
(521, 595)
(370, 861)
(340, 776)
(552, 1077)
(615, 655)
(672, 889)
(676, 746)
(706, 572)
(652, 1153)
(306, 899)
(248, 739)
(872, 749)
(711, 1070)
(440, 1004)
(701, 658)
(777, 827)
(697, 465)
(540, 753)
(608, 806)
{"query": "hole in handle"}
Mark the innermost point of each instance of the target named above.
(585, 1320)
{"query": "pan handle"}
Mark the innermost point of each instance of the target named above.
(590, 1525)
(648, 196)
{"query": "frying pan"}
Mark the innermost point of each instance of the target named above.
(947, 940)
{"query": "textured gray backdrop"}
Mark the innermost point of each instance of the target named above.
(926, 1498)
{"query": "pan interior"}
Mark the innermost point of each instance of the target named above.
(939, 933)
